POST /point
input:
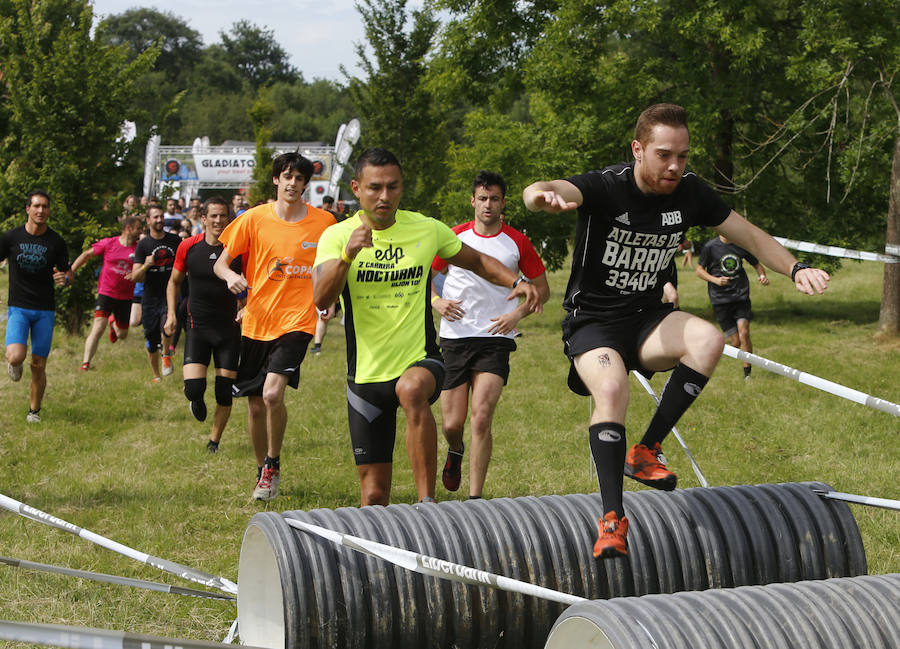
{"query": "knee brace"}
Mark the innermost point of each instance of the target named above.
(194, 389)
(224, 396)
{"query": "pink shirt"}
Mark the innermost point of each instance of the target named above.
(117, 262)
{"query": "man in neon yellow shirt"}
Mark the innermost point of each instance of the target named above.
(378, 263)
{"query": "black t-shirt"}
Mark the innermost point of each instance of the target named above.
(31, 262)
(210, 304)
(163, 251)
(625, 239)
(725, 260)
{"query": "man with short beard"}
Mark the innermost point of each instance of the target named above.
(631, 219)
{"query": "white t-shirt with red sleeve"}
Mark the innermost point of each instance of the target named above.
(482, 300)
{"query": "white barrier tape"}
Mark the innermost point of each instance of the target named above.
(232, 632)
(821, 384)
(433, 567)
(171, 567)
(835, 251)
(74, 637)
(892, 249)
(884, 503)
(649, 388)
(113, 579)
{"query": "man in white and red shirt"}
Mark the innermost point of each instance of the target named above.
(477, 329)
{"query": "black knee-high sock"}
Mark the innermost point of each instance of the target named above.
(608, 450)
(681, 390)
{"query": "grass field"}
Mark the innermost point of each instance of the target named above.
(123, 458)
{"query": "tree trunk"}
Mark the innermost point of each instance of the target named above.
(889, 318)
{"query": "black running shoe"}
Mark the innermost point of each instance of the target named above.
(452, 473)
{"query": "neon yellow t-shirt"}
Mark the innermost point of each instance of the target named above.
(386, 301)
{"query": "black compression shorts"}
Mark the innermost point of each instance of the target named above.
(222, 344)
(372, 414)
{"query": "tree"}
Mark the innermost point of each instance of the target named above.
(849, 62)
(398, 112)
(255, 53)
(142, 29)
(260, 115)
(66, 97)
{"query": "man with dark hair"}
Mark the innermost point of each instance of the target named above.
(378, 262)
(38, 258)
(477, 329)
(277, 242)
(115, 287)
(172, 217)
(631, 218)
(721, 264)
(153, 261)
(212, 328)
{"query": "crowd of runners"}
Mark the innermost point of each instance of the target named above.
(250, 291)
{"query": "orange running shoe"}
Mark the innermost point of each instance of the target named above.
(648, 465)
(611, 539)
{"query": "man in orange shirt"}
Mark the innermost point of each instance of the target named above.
(278, 243)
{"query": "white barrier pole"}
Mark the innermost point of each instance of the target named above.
(171, 567)
(73, 637)
(649, 388)
(434, 567)
(113, 579)
(821, 384)
(835, 251)
(884, 503)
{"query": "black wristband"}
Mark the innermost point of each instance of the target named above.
(798, 266)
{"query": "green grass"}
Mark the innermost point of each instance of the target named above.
(123, 458)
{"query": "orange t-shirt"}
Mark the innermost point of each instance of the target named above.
(279, 260)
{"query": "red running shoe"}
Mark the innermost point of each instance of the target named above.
(611, 539)
(648, 466)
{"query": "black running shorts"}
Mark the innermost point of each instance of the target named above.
(728, 315)
(121, 309)
(625, 335)
(465, 356)
(260, 357)
(372, 414)
(153, 317)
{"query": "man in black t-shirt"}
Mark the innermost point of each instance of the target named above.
(721, 265)
(38, 258)
(153, 261)
(212, 328)
(631, 218)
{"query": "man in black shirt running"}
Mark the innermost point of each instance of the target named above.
(631, 218)
(153, 261)
(212, 329)
(38, 258)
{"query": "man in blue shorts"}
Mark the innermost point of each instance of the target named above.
(38, 258)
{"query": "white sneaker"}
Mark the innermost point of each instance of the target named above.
(33, 417)
(14, 371)
(267, 487)
(167, 365)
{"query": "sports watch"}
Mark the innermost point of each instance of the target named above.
(798, 266)
(521, 278)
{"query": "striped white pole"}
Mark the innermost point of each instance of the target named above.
(74, 637)
(809, 379)
(210, 581)
(433, 567)
(884, 503)
(649, 388)
(835, 251)
(113, 579)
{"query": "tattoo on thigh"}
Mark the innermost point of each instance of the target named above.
(604, 360)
